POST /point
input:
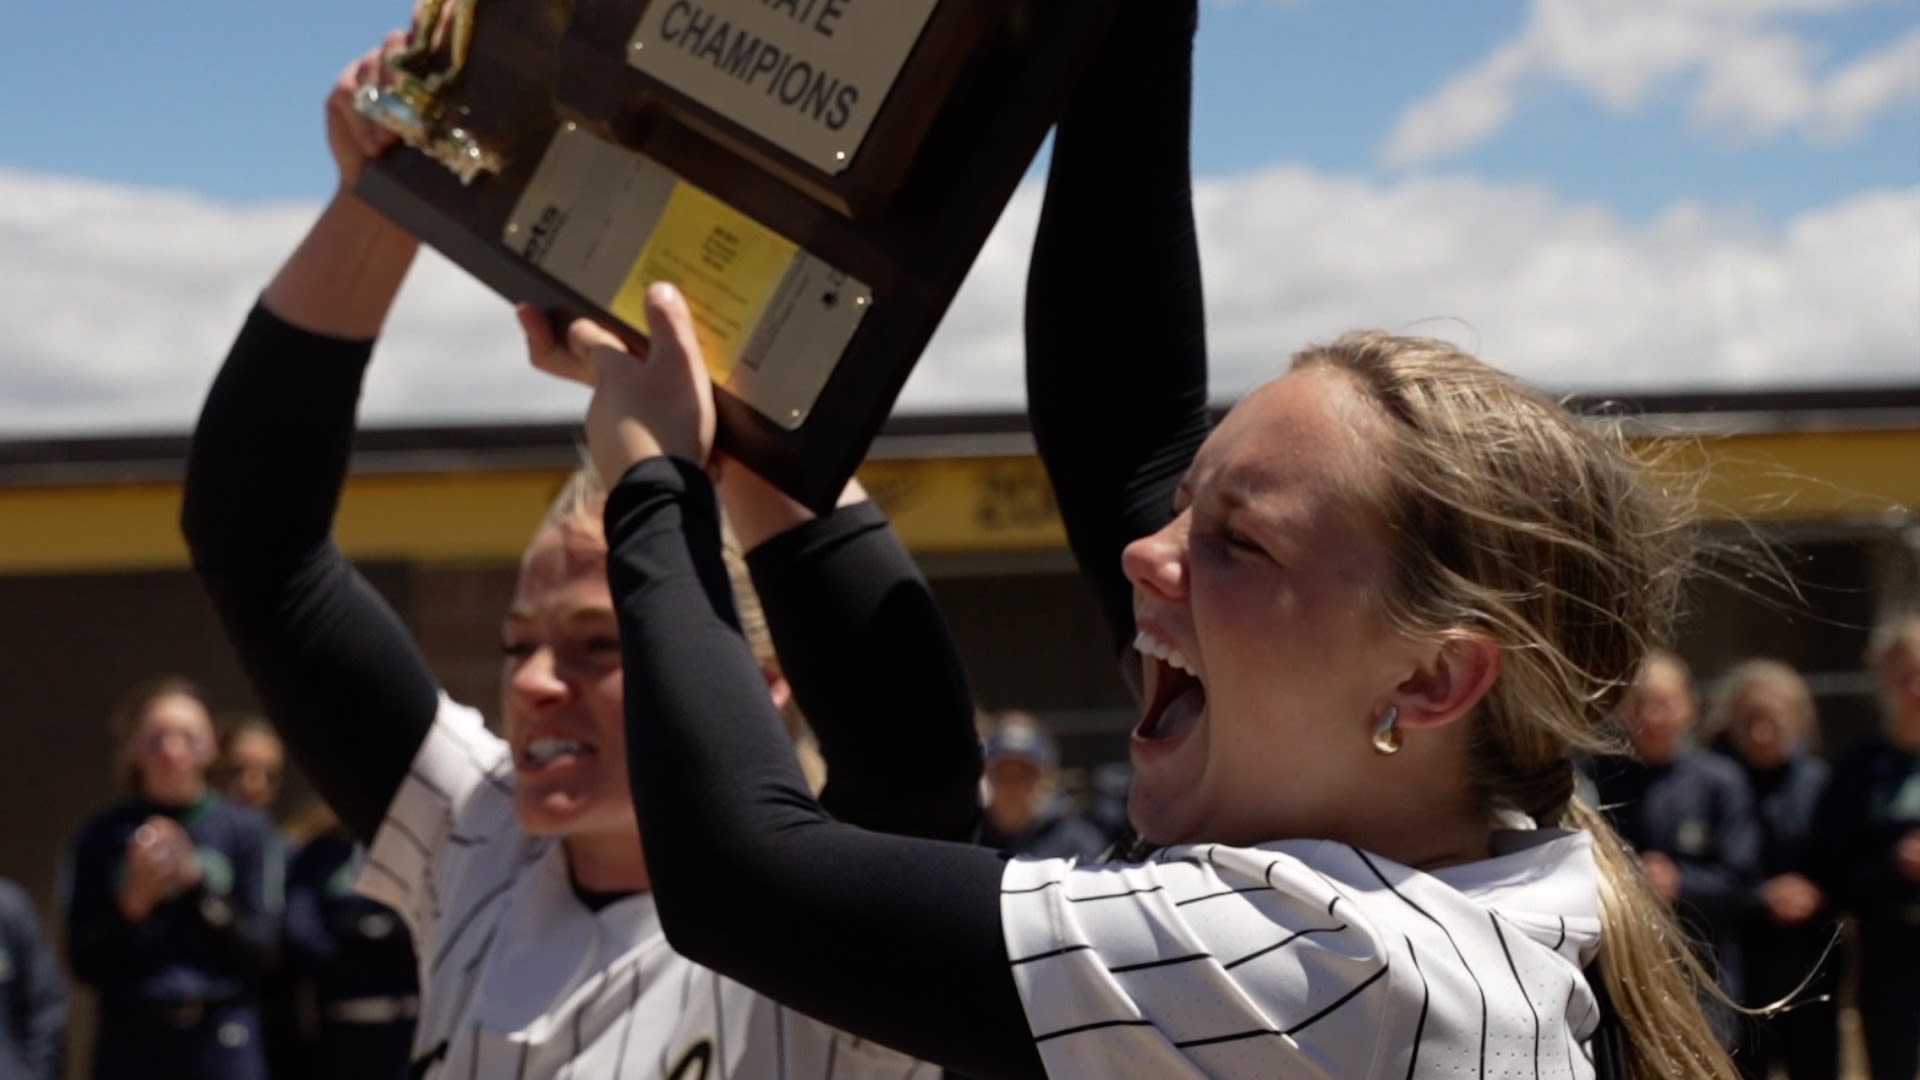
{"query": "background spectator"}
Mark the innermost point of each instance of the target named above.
(1025, 815)
(173, 903)
(1868, 854)
(351, 958)
(249, 770)
(1688, 814)
(33, 999)
(1108, 807)
(252, 763)
(1764, 712)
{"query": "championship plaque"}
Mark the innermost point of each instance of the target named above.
(815, 175)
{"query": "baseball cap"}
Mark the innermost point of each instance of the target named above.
(1023, 741)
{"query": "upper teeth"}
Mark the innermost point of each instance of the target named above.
(1153, 646)
(546, 748)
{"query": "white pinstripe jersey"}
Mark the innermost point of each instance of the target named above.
(1309, 960)
(522, 980)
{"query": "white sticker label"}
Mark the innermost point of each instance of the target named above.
(808, 76)
(773, 319)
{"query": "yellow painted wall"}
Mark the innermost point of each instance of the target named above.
(941, 506)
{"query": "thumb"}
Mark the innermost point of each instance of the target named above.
(675, 342)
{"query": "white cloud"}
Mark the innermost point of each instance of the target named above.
(1740, 69)
(1565, 293)
(121, 301)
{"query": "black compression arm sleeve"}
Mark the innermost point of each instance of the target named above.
(892, 938)
(332, 663)
(1119, 405)
(875, 670)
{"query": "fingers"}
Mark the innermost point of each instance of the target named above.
(572, 358)
(659, 404)
(533, 325)
(367, 69)
(585, 335)
(150, 852)
(369, 139)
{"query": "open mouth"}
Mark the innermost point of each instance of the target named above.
(551, 752)
(1175, 697)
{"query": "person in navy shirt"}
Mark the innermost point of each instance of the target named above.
(249, 770)
(1868, 854)
(33, 1000)
(1024, 812)
(1765, 716)
(172, 903)
(1688, 814)
(356, 958)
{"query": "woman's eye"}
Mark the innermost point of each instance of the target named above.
(519, 650)
(1240, 541)
(601, 645)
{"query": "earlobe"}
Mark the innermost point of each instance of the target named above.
(1452, 681)
(778, 688)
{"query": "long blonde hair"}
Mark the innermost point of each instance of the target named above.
(1509, 515)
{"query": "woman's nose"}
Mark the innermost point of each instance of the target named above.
(536, 678)
(1157, 562)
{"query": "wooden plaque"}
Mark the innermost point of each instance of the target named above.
(816, 175)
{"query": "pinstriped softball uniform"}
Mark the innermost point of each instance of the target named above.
(1309, 960)
(523, 981)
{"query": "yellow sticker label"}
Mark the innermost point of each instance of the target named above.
(726, 264)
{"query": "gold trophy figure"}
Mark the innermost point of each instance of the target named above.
(415, 107)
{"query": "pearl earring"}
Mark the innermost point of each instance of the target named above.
(1386, 735)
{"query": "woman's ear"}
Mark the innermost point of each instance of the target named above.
(778, 688)
(1449, 681)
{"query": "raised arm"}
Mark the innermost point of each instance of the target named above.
(1116, 339)
(333, 664)
(729, 819)
(871, 661)
(860, 639)
(901, 938)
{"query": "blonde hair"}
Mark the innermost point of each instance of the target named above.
(579, 506)
(1509, 516)
(1889, 636)
(131, 710)
(1666, 658)
(314, 819)
(1750, 675)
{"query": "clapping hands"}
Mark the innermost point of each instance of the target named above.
(161, 861)
(1791, 899)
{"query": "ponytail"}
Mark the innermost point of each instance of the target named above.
(1510, 517)
(1653, 978)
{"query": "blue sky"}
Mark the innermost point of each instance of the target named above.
(1324, 82)
(1755, 137)
(218, 98)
